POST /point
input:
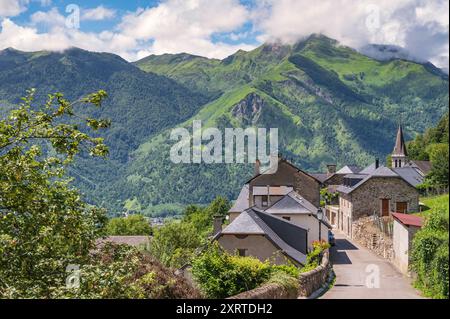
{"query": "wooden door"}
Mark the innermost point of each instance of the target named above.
(385, 207)
(401, 207)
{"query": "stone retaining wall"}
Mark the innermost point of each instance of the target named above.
(270, 291)
(309, 282)
(315, 279)
(366, 234)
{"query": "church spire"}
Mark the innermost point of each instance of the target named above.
(400, 146)
(400, 154)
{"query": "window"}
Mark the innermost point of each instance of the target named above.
(401, 207)
(242, 252)
(287, 218)
(265, 201)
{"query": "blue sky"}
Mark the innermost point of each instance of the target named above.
(218, 28)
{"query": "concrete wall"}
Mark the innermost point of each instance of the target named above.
(402, 239)
(257, 246)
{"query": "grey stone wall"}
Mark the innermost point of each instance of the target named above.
(270, 291)
(367, 198)
(366, 234)
(315, 279)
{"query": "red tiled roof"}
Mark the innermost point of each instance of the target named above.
(409, 220)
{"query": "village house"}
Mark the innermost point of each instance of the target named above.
(266, 237)
(291, 197)
(379, 192)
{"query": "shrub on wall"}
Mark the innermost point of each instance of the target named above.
(314, 258)
(430, 254)
(221, 275)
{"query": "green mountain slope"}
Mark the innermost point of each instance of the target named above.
(139, 104)
(330, 104)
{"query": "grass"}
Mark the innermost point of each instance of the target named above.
(434, 203)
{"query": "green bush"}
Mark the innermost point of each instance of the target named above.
(314, 257)
(221, 275)
(430, 255)
(174, 244)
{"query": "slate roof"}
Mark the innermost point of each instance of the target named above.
(382, 171)
(424, 166)
(410, 174)
(349, 169)
(285, 161)
(292, 204)
(243, 224)
(242, 202)
(286, 236)
(369, 169)
(322, 177)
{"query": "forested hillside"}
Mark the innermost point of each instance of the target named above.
(330, 103)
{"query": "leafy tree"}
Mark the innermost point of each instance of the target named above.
(439, 156)
(174, 244)
(202, 219)
(44, 223)
(133, 225)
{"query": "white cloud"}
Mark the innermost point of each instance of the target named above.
(11, 8)
(98, 13)
(419, 26)
(49, 18)
(176, 26)
(193, 26)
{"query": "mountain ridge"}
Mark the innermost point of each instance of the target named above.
(330, 103)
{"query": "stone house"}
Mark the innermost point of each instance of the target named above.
(405, 227)
(380, 192)
(288, 176)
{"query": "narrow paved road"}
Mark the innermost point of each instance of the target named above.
(356, 271)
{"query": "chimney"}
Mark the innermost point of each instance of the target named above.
(217, 225)
(377, 163)
(257, 167)
(331, 169)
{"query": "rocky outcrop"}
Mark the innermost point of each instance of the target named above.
(249, 109)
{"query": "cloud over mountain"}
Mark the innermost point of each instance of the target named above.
(218, 28)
